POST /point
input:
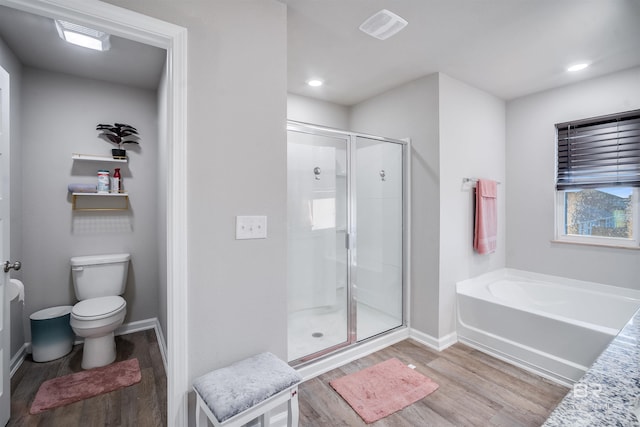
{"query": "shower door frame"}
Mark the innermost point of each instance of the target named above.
(351, 234)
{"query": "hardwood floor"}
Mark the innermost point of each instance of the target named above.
(475, 390)
(142, 404)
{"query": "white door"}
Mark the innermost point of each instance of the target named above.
(5, 344)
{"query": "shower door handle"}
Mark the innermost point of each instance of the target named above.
(8, 266)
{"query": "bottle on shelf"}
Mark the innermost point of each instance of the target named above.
(103, 181)
(116, 182)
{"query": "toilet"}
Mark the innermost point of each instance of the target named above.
(99, 280)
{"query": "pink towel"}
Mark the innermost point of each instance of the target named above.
(486, 232)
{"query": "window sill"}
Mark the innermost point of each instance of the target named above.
(599, 245)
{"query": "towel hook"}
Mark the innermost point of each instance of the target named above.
(383, 175)
(317, 171)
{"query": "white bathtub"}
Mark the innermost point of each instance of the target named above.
(551, 325)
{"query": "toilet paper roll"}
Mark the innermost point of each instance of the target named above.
(15, 289)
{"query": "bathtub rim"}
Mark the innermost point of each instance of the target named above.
(511, 273)
(477, 287)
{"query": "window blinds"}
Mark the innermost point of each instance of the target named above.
(599, 152)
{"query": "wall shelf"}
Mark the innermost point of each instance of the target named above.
(102, 197)
(88, 196)
(97, 158)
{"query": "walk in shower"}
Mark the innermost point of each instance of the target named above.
(346, 238)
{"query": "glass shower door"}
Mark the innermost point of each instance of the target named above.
(378, 253)
(317, 276)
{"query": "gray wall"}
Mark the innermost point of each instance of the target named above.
(59, 114)
(411, 110)
(456, 131)
(530, 196)
(237, 90)
(317, 112)
(161, 209)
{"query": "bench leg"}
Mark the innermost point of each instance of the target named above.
(265, 419)
(201, 416)
(292, 407)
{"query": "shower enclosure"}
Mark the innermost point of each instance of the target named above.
(346, 238)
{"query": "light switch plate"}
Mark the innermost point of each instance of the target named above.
(251, 227)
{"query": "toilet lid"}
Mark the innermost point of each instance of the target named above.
(98, 307)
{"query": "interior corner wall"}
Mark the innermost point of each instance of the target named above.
(12, 65)
(59, 116)
(530, 155)
(472, 144)
(316, 112)
(411, 110)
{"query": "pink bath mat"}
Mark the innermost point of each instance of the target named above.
(382, 389)
(85, 384)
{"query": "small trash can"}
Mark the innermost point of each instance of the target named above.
(51, 333)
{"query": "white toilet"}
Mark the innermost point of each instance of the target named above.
(99, 280)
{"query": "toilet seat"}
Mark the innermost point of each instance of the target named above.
(98, 308)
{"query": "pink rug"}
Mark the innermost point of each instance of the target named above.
(383, 389)
(82, 385)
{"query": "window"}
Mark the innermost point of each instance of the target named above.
(598, 180)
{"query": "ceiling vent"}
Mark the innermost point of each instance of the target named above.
(383, 24)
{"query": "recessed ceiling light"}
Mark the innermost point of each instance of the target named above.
(83, 36)
(315, 82)
(578, 67)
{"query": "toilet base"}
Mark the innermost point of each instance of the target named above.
(99, 351)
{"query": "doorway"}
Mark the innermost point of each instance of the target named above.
(173, 38)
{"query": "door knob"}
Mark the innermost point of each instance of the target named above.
(8, 266)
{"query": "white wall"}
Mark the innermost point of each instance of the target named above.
(12, 65)
(472, 144)
(237, 90)
(317, 112)
(530, 155)
(59, 116)
(411, 110)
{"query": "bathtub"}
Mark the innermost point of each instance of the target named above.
(553, 326)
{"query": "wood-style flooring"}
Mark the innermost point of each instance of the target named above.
(475, 390)
(142, 404)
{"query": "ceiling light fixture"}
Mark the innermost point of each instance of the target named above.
(83, 36)
(577, 67)
(315, 82)
(383, 25)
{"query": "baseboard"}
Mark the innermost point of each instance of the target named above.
(143, 325)
(432, 342)
(128, 328)
(162, 344)
(341, 358)
(18, 358)
(137, 326)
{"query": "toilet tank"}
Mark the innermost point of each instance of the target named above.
(99, 275)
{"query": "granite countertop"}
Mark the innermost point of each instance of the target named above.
(609, 392)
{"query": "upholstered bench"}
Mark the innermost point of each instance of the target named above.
(245, 390)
